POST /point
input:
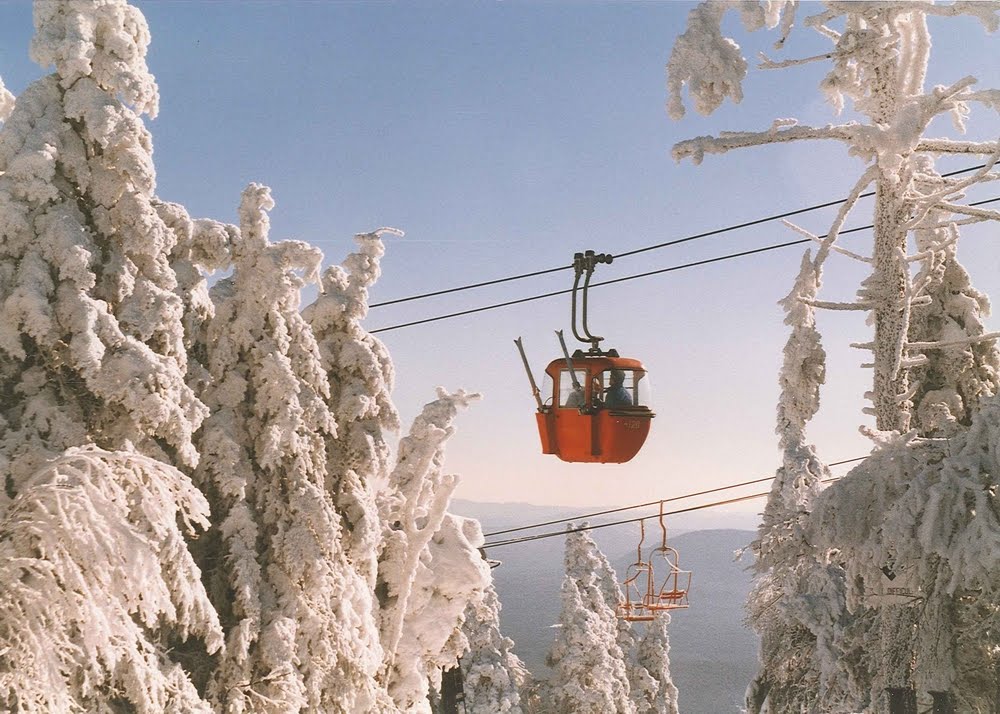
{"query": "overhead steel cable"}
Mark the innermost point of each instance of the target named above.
(621, 509)
(689, 509)
(657, 246)
(775, 217)
(473, 285)
(672, 268)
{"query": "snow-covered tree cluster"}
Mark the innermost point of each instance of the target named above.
(495, 678)
(880, 591)
(600, 664)
(199, 508)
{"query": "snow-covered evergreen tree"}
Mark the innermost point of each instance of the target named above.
(587, 676)
(90, 327)
(796, 603)
(588, 662)
(361, 381)
(92, 369)
(494, 676)
(399, 537)
(296, 614)
(653, 655)
(588, 561)
(789, 673)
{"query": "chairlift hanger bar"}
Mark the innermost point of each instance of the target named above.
(584, 264)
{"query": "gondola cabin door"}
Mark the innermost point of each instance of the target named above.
(597, 410)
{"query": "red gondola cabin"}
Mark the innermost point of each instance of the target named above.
(598, 412)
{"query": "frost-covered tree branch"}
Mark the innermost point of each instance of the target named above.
(97, 579)
(950, 146)
(422, 543)
(825, 245)
(696, 148)
(986, 11)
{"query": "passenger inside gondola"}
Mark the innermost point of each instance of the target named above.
(616, 394)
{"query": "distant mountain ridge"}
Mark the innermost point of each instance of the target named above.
(713, 654)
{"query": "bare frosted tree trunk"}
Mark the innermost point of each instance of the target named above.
(891, 378)
(888, 265)
(889, 297)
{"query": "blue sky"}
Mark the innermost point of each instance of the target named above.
(503, 137)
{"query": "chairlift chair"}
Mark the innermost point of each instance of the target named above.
(656, 583)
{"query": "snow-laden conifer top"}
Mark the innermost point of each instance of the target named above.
(105, 40)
